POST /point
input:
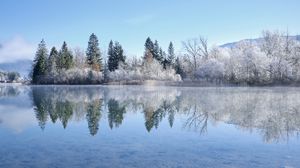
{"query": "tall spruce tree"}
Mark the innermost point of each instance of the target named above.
(115, 55)
(149, 47)
(156, 52)
(65, 58)
(51, 62)
(105, 72)
(171, 55)
(111, 57)
(94, 58)
(164, 58)
(119, 52)
(178, 68)
(40, 62)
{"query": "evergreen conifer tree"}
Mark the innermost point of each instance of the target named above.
(119, 53)
(178, 67)
(115, 55)
(65, 58)
(40, 62)
(51, 62)
(156, 52)
(106, 72)
(149, 45)
(94, 58)
(164, 61)
(111, 56)
(171, 55)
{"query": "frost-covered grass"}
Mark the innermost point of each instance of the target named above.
(146, 71)
(126, 74)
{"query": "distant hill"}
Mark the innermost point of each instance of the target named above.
(254, 41)
(21, 66)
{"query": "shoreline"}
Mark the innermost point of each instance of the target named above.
(161, 83)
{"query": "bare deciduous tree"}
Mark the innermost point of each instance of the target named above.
(197, 49)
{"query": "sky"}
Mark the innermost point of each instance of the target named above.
(24, 23)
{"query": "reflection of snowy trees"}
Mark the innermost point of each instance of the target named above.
(66, 103)
(271, 112)
(10, 90)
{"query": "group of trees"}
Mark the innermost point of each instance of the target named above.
(10, 77)
(115, 55)
(60, 67)
(154, 51)
(68, 67)
(272, 59)
(154, 65)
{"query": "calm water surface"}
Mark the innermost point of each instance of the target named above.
(139, 126)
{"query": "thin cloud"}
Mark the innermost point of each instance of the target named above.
(16, 49)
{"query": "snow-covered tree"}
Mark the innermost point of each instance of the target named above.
(156, 52)
(51, 62)
(79, 58)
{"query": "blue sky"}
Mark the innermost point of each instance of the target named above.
(131, 21)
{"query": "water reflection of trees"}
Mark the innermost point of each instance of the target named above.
(10, 90)
(274, 113)
(65, 103)
(115, 113)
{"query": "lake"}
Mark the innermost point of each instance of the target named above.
(144, 126)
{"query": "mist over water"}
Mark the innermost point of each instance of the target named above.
(142, 126)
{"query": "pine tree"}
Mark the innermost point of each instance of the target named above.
(178, 67)
(94, 59)
(105, 72)
(65, 58)
(51, 62)
(149, 45)
(164, 61)
(171, 55)
(119, 53)
(156, 52)
(40, 62)
(115, 55)
(111, 56)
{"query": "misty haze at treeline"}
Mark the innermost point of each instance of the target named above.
(272, 59)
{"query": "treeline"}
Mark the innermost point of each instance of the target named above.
(10, 77)
(77, 67)
(62, 67)
(270, 60)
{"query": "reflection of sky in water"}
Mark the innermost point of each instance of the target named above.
(211, 127)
